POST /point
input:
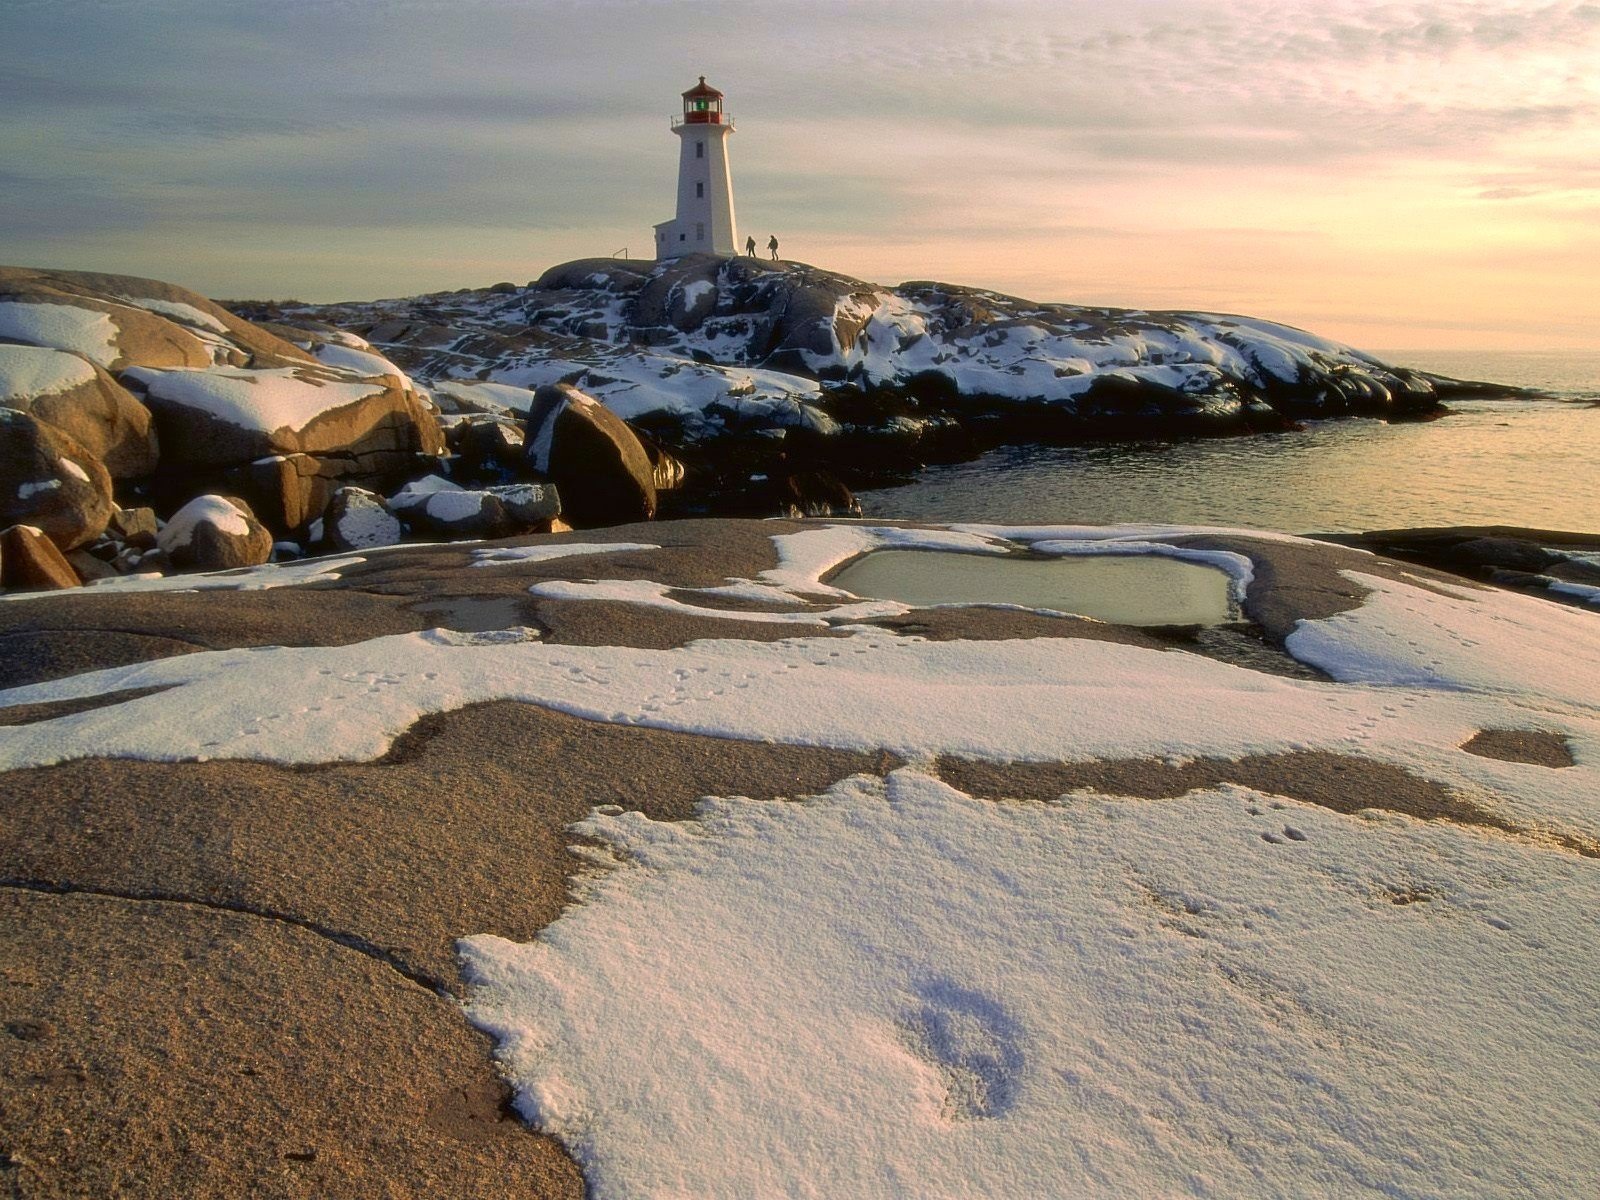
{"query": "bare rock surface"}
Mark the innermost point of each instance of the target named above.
(30, 561)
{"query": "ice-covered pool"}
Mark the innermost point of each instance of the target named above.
(1127, 589)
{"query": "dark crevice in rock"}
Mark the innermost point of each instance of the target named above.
(350, 941)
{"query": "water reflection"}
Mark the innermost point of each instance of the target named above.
(1491, 462)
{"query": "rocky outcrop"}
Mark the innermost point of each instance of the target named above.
(215, 533)
(49, 481)
(160, 387)
(734, 364)
(597, 464)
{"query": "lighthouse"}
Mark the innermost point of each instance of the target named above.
(705, 222)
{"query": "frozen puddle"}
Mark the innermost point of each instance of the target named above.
(1127, 589)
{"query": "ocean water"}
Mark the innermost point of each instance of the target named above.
(1503, 462)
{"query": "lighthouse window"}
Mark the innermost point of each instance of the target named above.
(699, 149)
(699, 232)
(700, 191)
(701, 105)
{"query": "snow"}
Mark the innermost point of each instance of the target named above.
(250, 579)
(202, 510)
(266, 400)
(360, 362)
(82, 331)
(417, 491)
(896, 990)
(486, 396)
(68, 467)
(28, 491)
(1588, 593)
(695, 290)
(185, 314)
(658, 595)
(450, 507)
(29, 372)
(494, 556)
(1440, 636)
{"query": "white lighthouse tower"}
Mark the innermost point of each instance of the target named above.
(705, 222)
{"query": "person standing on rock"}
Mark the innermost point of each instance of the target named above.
(772, 244)
(750, 245)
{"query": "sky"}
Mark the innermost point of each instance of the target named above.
(1397, 175)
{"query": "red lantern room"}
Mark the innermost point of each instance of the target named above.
(702, 105)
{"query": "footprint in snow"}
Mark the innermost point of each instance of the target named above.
(968, 1037)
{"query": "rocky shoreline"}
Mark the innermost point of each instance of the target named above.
(145, 429)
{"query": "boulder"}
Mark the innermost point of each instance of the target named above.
(438, 507)
(136, 527)
(813, 494)
(229, 416)
(82, 400)
(89, 568)
(358, 520)
(285, 491)
(487, 445)
(215, 533)
(30, 561)
(49, 481)
(594, 459)
(532, 504)
(462, 514)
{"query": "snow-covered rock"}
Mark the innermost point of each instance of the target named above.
(224, 416)
(83, 400)
(358, 520)
(720, 344)
(440, 508)
(215, 533)
(49, 480)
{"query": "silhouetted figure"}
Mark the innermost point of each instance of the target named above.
(750, 245)
(772, 244)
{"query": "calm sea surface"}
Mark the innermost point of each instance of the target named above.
(1522, 462)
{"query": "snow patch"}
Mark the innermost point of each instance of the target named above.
(494, 556)
(215, 511)
(184, 314)
(82, 331)
(266, 400)
(896, 990)
(30, 372)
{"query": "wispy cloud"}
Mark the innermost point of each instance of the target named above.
(1002, 136)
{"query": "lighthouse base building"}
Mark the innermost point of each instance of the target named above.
(705, 222)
